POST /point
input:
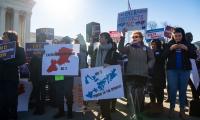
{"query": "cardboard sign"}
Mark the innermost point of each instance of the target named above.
(7, 50)
(102, 83)
(154, 34)
(132, 20)
(60, 59)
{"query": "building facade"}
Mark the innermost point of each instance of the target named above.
(16, 15)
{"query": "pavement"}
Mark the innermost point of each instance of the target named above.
(92, 113)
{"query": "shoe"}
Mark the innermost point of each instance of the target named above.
(171, 114)
(38, 112)
(59, 115)
(167, 100)
(70, 115)
(113, 110)
(182, 115)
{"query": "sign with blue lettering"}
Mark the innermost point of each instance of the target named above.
(132, 20)
(102, 83)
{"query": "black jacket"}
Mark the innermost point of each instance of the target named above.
(9, 68)
(158, 71)
(35, 70)
(170, 55)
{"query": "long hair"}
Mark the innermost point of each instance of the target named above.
(179, 30)
(107, 37)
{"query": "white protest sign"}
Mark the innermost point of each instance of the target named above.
(154, 34)
(24, 95)
(60, 59)
(132, 20)
(194, 75)
(102, 83)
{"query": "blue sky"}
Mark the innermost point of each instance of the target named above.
(69, 17)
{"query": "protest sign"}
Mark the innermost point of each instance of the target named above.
(132, 20)
(60, 59)
(154, 34)
(102, 83)
(7, 50)
(34, 48)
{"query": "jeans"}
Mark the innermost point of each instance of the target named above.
(178, 80)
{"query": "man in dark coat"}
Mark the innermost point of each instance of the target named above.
(10, 79)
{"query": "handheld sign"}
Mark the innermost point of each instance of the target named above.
(102, 83)
(60, 59)
(7, 50)
(132, 20)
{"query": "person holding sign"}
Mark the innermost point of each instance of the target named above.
(9, 79)
(63, 87)
(99, 55)
(178, 52)
(37, 82)
(140, 61)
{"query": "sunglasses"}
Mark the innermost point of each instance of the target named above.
(135, 36)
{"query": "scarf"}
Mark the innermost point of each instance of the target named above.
(101, 54)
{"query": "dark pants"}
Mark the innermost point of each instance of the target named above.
(157, 94)
(195, 93)
(64, 89)
(105, 108)
(37, 94)
(8, 99)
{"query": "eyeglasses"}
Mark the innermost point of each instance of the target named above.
(135, 36)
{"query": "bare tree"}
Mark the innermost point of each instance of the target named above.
(151, 25)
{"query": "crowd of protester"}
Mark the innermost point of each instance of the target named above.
(162, 64)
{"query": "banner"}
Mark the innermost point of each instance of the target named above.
(168, 31)
(25, 89)
(60, 59)
(194, 75)
(7, 50)
(132, 20)
(154, 34)
(32, 48)
(43, 34)
(115, 36)
(102, 83)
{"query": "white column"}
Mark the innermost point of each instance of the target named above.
(16, 21)
(27, 27)
(2, 20)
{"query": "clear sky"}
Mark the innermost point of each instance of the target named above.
(69, 17)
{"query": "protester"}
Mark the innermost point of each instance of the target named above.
(99, 55)
(9, 79)
(195, 92)
(63, 87)
(178, 52)
(140, 61)
(158, 75)
(38, 83)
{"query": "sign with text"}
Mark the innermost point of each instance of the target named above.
(34, 48)
(168, 31)
(102, 83)
(7, 50)
(115, 35)
(60, 59)
(154, 34)
(132, 20)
